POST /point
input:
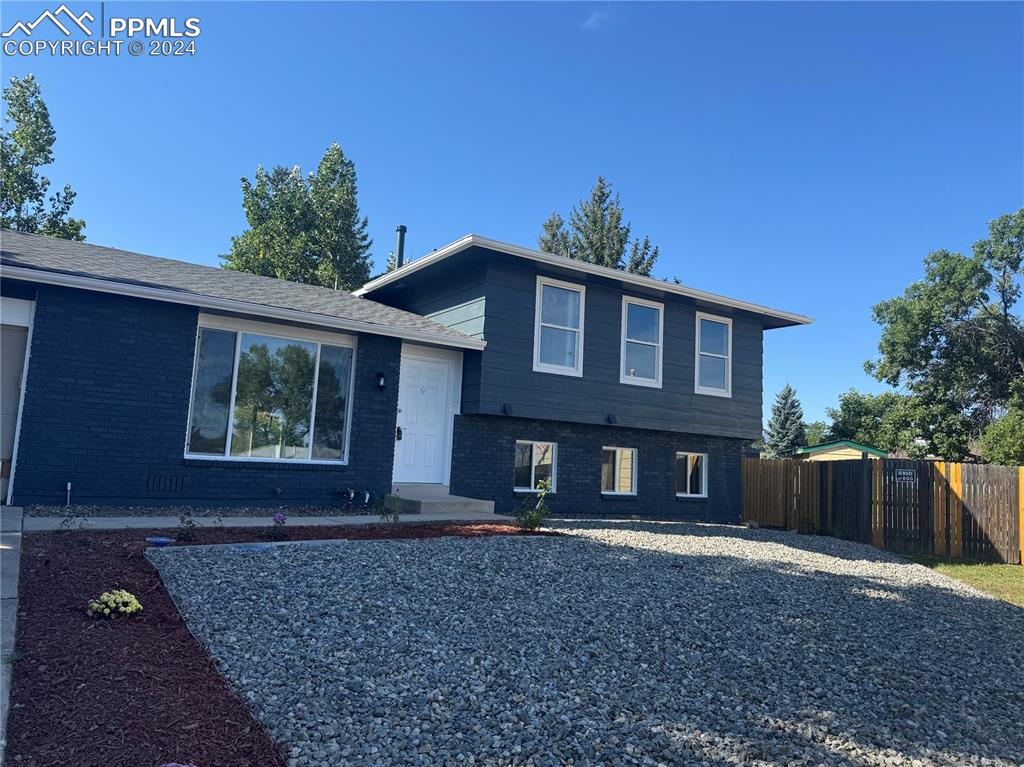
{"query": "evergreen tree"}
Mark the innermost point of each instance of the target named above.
(304, 228)
(26, 147)
(785, 431)
(596, 234)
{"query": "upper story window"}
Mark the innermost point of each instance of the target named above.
(269, 393)
(558, 328)
(714, 355)
(642, 330)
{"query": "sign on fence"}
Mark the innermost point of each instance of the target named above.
(906, 475)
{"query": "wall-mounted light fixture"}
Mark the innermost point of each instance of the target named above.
(381, 381)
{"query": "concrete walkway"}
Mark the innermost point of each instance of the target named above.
(10, 559)
(31, 524)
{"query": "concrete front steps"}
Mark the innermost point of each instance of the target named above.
(435, 499)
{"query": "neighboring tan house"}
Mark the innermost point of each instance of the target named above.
(839, 450)
(475, 371)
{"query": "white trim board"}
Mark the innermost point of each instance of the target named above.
(21, 399)
(234, 305)
(471, 240)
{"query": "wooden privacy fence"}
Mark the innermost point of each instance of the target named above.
(954, 510)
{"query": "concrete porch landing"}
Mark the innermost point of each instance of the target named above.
(434, 499)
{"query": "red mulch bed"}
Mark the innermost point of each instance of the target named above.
(141, 691)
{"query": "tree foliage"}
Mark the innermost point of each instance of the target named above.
(785, 432)
(885, 421)
(304, 228)
(815, 432)
(1003, 440)
(954, 340)
(597, 234)
(24, 148)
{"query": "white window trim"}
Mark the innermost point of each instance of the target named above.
(654, 383)
(632, 480)
(239, 326)
(704, 478)
(697, 388)
(533, 466)
(541, 367)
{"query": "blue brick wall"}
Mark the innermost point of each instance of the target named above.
(106, 408)
(483, 467)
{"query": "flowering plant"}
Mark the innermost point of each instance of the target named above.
(113, 604)
(276, 531)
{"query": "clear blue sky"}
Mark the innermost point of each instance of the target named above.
(805, 156)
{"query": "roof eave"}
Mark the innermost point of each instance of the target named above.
(471, 240)
(64, 279)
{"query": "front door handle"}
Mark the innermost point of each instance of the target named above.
(398, 434)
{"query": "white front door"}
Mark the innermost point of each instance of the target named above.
(425, 410)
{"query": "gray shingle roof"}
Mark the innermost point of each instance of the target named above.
(184, 280)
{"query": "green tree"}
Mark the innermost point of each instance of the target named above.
(954, 341)
(24, 148)
(340, 232)
(815, 432)
(887, 421)
(597, 234)
(1003, 439)
(304, 228)
(785, 432)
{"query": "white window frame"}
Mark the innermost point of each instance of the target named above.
(287, 333)
(710, 391)
(541, 367)
(703, 479)
(654, 383)
(632, 479)
(533, 465)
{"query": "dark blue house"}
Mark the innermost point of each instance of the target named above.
(476, 371)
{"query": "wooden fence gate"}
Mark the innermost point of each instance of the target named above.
(959, 511)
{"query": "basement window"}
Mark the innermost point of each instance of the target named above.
(266, 393)
(618, 471)
(535, 462)
(691, 475)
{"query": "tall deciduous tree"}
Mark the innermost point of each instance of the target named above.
(815, 432)
(597, 234)
(25, 147)
(954, 339)
(886, 421)
(785, 432)
(304, 228)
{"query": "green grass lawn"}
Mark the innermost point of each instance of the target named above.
(1003, 581)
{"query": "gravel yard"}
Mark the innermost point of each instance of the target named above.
(623, 643)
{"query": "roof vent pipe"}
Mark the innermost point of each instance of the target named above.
(400, 245)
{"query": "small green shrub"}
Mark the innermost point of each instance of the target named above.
(534, 512)
(113, 604)
(186, 528)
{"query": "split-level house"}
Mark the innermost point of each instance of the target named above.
(473, 373)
